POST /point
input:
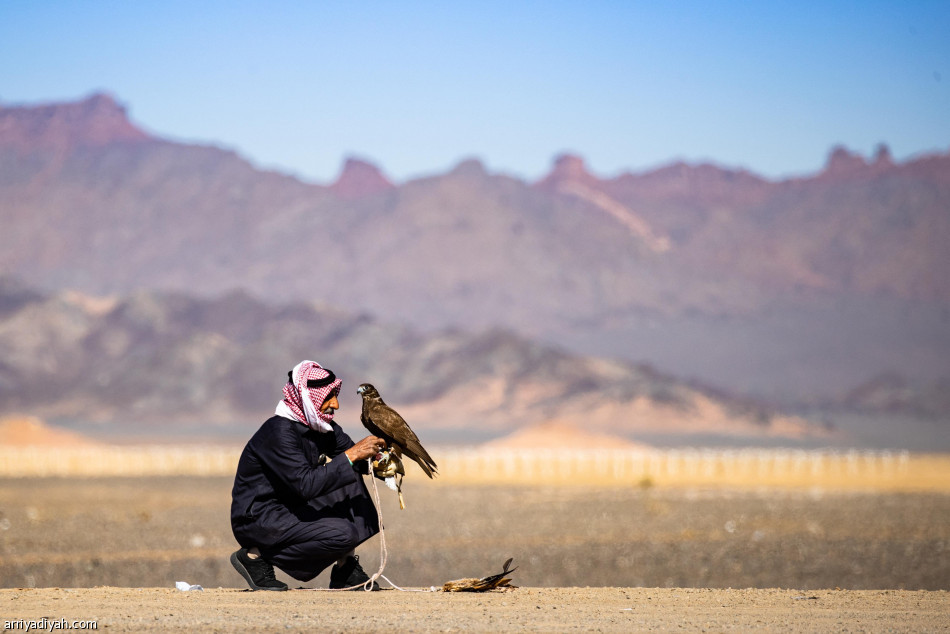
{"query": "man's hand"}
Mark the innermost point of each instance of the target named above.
(388, 465)
(366, 448)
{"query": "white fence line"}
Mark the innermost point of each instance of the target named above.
(480, 465)
(673, 463)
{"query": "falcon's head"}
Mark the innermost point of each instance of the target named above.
(366, 390)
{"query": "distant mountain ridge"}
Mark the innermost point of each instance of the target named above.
(681, 237)
(95, 121)
(156, 362)
(90, 202)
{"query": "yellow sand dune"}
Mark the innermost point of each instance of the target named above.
(29, 431)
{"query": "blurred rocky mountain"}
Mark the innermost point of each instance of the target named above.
(153, 363)
(892, 393)
(775, 288)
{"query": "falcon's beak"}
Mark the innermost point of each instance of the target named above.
(360, 390)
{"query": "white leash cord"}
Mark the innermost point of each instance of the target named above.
(383, 551)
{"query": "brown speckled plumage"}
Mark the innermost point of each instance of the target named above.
(484, 584)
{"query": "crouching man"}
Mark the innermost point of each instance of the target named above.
(299, 501)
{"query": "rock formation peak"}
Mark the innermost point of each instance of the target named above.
(571, 166)
(842, 162)
(94, 121)
(470, 166)
(568, 168)
(360, 178)
(882, 156)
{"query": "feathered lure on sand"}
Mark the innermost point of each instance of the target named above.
(484, 584)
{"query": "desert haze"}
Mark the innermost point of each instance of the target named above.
(763, 309)
(159, 364)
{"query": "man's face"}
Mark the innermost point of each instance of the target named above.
(330, 405)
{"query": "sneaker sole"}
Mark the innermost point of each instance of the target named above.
(247, 576)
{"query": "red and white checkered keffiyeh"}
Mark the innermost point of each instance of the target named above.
(302, 403)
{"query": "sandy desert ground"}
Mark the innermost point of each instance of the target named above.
(524, 609)
(590, 558)
(151, 532)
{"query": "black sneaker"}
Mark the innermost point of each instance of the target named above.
(258, 573)
(351, 573)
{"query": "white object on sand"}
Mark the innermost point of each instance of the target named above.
(184, 586)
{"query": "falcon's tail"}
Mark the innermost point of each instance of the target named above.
(422, 458)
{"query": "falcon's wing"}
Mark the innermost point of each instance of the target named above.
(397, 431)
(366, 417)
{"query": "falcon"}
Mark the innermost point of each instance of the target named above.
(383, 421)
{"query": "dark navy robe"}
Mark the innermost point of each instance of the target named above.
(302, 515)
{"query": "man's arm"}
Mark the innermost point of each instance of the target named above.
(281, 452)
(357, 453)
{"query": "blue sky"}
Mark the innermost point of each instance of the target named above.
(416, 87)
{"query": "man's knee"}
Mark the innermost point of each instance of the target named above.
(343, 537)
(328, 538)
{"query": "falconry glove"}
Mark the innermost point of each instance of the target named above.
(386, 466)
